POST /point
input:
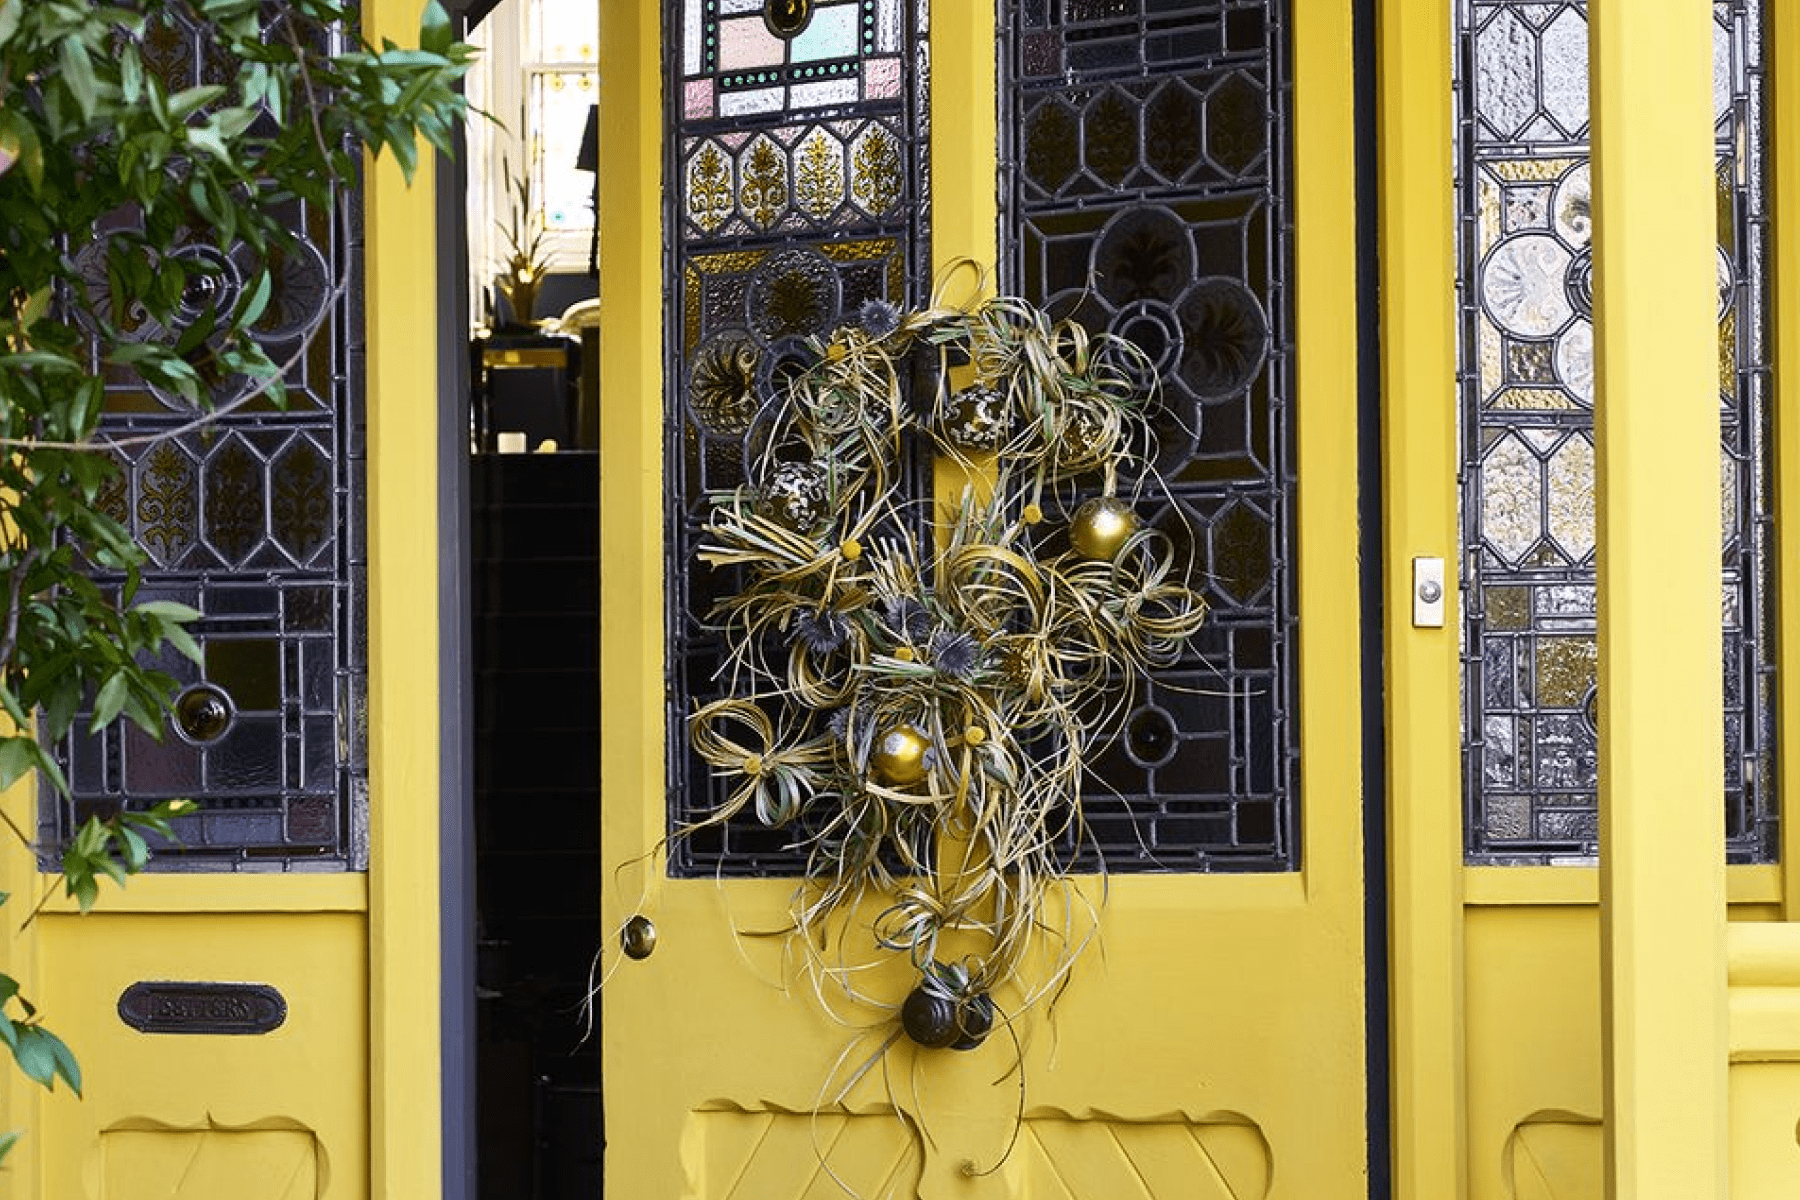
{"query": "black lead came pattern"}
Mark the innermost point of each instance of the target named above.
(1144, 192)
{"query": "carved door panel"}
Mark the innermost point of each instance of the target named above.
(1174, 176)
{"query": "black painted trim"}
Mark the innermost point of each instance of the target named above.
(1372, 642)
(456, 761)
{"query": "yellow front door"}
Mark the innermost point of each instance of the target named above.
(1211, 1040)
(257, 1015)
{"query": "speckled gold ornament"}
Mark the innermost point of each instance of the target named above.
(1101, 527)
(898, 759)
(796, 495)
(978, 419)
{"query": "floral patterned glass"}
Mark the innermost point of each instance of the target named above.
(797, 164)
(1527, 393)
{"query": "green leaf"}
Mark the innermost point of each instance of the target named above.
(131, 74)
(16, 760)
(8, 1140)
(434, 29)
(191, 100)
(10, 12)
(168, 610)
(35, 1057)
(66, 1066)
(109, 702)
(78, 75)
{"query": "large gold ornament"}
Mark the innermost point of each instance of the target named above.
(1101, 527)
(898, 758)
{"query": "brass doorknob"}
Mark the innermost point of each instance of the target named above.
(638, 937)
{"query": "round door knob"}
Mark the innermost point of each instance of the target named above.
(638, 937)
(203, 714)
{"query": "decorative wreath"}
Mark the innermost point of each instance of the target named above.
(914, 692)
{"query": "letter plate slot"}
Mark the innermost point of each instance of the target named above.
(170, 1006)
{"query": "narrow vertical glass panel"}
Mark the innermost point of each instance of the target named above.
(1144, 191)
(560, 101)
(256, 520)
(1526, 379)
(797, 160)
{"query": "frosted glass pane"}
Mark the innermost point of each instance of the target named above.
(564, 31)
(1527, 392)
(559, 111)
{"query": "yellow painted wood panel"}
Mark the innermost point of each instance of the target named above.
(306, 1079)
(1662, 834)
(1419, 459)
(201, 1164)
(1532, 1024)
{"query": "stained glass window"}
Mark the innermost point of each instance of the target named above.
(256, 519)
(1527, 392)
(1145, 192)
(796, 193)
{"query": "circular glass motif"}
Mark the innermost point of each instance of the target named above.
(204, 713)
(1578, 284)
(1145, 254)
(1572, 208)
(299, 294)
(1224, 336)
(212, 283)
(1150, 737)
(722, 385)
(787, 18)
(1152, 327)
(1522, 285)
(1575, 361)
(795, 294)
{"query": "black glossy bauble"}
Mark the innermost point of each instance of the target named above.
(929, 1018)
(974, 1018)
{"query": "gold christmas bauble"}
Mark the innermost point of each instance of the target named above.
(1101, 527)
(899, 756)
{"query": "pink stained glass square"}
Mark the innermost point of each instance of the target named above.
(745, 42)
(881, 78)
(697, 99)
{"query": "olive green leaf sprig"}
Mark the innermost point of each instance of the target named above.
(914, 694)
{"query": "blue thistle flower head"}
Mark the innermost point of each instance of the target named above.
(822, 632)
(878, 318)
(954, 653)
(908, 618)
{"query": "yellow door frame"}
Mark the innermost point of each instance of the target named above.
(1433, 894)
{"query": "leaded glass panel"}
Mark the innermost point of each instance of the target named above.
(255, 517)
(1145, 192)
(797, 192)
(1530, 757)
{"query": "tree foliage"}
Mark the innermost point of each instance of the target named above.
(109, 174)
